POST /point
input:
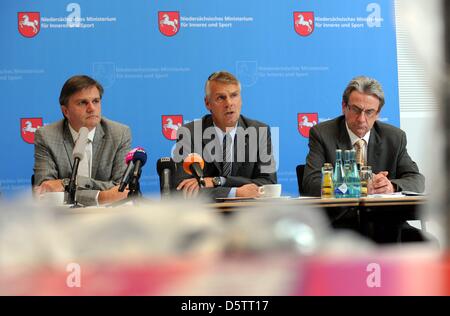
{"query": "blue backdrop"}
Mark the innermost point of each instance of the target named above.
(153, 57)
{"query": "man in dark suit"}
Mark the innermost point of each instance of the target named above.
(237, 150)
(109, 142)
(383, 146)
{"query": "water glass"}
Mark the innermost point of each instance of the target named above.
(365, 175)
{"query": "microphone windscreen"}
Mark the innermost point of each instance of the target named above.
(129, 156)
(80, 145)
(140, 155)
(190, 159)
(165, 163)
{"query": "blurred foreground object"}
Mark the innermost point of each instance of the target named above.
(181, 248)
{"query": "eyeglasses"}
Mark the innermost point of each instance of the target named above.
(357, 111)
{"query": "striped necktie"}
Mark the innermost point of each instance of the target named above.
(226, 165)
(360, 152)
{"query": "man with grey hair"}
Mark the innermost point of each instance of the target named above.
(237, 151)
(382, 146)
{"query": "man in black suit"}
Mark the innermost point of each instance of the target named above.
(383, 145)
(237, 150)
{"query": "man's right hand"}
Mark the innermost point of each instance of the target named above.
(248, 190)
(190, 188)
(49, 186)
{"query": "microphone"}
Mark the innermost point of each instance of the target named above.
(193, 164)
(126, 175)
(77, 154)
(139, 159)
(135, 157)
(165, 167)
(80, 145)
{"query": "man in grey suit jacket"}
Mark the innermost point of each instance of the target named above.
(80, 101)
(236, 170)
(384, 146)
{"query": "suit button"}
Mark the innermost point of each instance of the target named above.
(88, 186)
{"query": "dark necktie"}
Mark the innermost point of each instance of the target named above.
(226, 166)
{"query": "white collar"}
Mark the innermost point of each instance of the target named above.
(75, 134)
(354, 138)
(221, 134)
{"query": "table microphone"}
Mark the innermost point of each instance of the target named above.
(193, 164)
(134, 155)
(165, 168)
(77, 154)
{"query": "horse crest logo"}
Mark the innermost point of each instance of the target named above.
(28, 127)
(305, 121)
(169, 22)
(29, 23)
(170, 125)
(304, 23)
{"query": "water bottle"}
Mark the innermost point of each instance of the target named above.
(327, 188)
(347, 180)
(347, 177)
(340, 187)
(354, 179)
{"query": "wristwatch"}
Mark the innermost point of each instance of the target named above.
(217, 182)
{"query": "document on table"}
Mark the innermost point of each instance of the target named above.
(387, 195)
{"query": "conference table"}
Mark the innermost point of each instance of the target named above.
(368, 202)
(367, 210)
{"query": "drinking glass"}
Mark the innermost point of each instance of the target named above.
(365, 175)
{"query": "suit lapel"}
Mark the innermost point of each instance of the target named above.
(343, 141)
(68, 142)
(374, 148)
(97, 148)
(236, 164)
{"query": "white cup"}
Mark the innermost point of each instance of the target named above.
(270, 190)
(53, 198)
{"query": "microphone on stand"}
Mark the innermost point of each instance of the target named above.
(165, 168)
(135, 159)
(129, 171)
(139, 159)
(77, 154)
(193, 164)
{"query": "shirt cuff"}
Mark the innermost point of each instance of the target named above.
(232, 193)
(96, 199)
